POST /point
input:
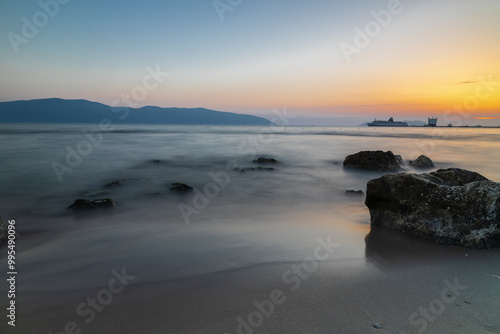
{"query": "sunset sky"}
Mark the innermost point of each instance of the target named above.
(428, 57)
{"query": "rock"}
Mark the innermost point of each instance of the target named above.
(242, 170)
(373, 160)
(180, 187)
(263, 168)
(113, 184)
(264, 160)
(155, 194)
(449, 206)
(377, 326)
(399, 159)
(86, 204)
(422, 161)
(354, 192)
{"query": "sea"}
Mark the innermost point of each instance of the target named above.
(237, 216)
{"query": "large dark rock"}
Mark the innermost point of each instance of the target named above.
(450, 206)
(423, 162)
(86, 204)
(373, 160)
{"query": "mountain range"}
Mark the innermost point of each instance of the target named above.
(82, 111)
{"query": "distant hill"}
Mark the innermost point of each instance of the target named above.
(83, 111)
(410, 123)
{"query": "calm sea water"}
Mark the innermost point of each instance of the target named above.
(232, 220)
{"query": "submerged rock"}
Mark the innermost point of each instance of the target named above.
(354, 192)
(155, 194)
(422, 161)
(113, 184)
(373, 160)
(264, 160)
(449, 206)
(180, 187)
(242, 170)
(86, 204)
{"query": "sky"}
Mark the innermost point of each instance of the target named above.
(326, 62)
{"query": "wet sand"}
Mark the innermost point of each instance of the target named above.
(406, 285)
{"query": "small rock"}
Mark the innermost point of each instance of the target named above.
(264, 160)
(242, 170)
(180, 187)
(155, 194)
(113, 184)
(354, 192)
(422, 161)
(399, 159)
(377, 325)
(157, 161)
(86, 204)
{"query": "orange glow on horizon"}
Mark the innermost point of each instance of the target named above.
(487, 118)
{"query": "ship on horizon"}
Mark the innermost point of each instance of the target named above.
(390, 122)
(432, 121)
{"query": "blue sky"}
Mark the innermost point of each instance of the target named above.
(263, 55)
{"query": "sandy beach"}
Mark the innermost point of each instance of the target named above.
(401, 290)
